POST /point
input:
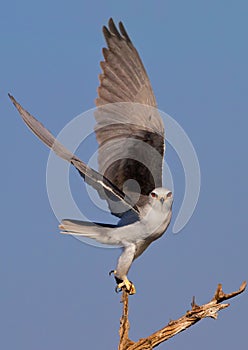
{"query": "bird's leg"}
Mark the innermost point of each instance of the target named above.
(124, 262)
(123, 284)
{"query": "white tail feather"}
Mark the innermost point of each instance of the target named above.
(97, 231)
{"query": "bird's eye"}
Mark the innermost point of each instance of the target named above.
(154, 195)
(169, 195)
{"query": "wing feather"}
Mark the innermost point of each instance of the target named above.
(128, 123)
(106, 190)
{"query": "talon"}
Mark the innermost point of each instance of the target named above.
(111, 272)
(117, 289)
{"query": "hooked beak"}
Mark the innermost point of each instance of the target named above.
(162, 200)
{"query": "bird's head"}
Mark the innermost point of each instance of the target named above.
(161, 197)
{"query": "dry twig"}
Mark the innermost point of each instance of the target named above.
(191, 317)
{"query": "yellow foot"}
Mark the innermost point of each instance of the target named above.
(123, 284)
(127, 285)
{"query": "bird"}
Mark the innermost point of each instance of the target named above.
(131, 146)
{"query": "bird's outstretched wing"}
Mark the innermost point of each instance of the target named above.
(124, 78)
(105, 188)
(129, 128)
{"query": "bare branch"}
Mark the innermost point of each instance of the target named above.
(191, 317)
(124, 324)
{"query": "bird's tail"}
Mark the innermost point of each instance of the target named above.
(100, 232)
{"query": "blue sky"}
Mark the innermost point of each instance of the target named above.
(55, 291)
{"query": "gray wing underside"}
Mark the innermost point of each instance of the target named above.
(129, 129)
(108, 191)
